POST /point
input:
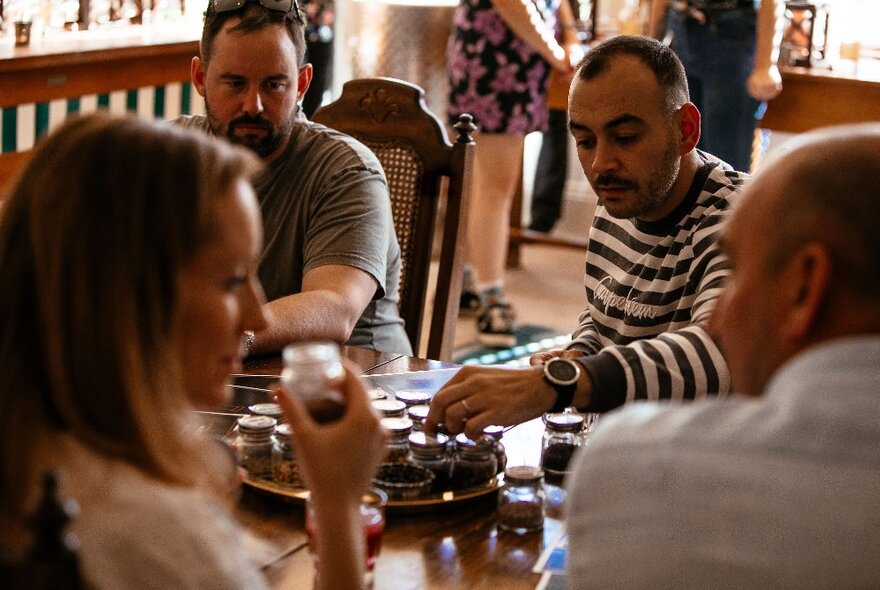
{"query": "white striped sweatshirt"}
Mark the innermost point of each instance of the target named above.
(651, 287)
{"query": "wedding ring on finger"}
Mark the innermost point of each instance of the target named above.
(467, 410)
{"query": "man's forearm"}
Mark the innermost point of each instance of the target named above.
(766, 41)
(314, 315)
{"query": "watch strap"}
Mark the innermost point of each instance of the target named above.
(564, 396)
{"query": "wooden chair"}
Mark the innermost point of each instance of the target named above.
(390, 117)
(520, 236)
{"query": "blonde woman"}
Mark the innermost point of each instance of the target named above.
(127, 278)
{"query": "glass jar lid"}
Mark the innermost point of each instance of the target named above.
(389, 407)
(564, 422)
(283, 431)
(267, 409)
(418, 413)
(413, 398)
(397, 426)
(420, 440)
(494, 431)
(475, 447)
(256, 424)
(523, 475)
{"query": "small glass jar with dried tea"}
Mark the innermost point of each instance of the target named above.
(473, 462)
(418, 414)
(521, 500)
(284, 468)
(389, 408)
(313, 371)
(254, 445)
(495, 433)
(563, 435)
(430, 453)
(397, 446)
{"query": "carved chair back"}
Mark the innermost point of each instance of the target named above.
(422, 168)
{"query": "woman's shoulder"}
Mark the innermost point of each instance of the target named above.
(137, 530)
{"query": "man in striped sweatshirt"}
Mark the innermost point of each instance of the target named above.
(653, 269)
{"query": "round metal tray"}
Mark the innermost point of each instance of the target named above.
(430, 503)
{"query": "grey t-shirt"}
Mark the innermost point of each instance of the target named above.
(325, 201)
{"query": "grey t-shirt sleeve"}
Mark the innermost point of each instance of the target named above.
(350, 224)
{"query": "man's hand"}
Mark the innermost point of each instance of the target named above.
(765, 83)
(320, 445)
(478, 397)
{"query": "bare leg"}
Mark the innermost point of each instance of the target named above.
(496, 172)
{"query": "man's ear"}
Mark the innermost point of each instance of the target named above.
(807, 280)
(197, 75)
(688, 127)
(303, 80)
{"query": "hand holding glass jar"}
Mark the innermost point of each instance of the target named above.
(312, 372)
(337, 493)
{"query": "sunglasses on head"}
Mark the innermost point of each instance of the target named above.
(285, 6)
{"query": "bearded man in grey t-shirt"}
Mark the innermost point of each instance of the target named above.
(331, 263)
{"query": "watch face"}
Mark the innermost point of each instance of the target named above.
(563, 371)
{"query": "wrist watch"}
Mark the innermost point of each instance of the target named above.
(562, 375)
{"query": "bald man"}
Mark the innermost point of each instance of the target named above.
(778, 487)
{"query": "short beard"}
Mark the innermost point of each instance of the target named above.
(661, 183)
(263, 146)
(658, 188)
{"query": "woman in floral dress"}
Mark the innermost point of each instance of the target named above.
(499, 58)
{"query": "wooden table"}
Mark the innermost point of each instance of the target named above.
(460, 547)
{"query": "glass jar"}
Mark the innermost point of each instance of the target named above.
(591, 419)
(430, 453)
(284, 468)
(389, 408)
(376, 393)
(418, 414)
(268, 409)
(450, 446)
(563, 435)
(313, 371)
(397, 446)
(521, 500)
(495, 433)
(473, 463)
(254, 445)
(413, 398)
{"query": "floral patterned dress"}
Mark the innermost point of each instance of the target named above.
(494, 75)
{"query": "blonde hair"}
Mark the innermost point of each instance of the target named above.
(93, 235)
